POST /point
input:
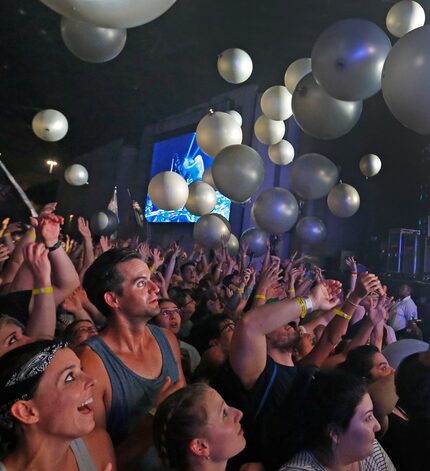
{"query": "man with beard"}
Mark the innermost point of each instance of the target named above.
(136, 365)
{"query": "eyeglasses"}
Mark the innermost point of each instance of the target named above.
(90, 330)
(169, 313)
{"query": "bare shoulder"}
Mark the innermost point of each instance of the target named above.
(91, 362)
(100, 448)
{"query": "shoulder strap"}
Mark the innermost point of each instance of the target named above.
(266, 392)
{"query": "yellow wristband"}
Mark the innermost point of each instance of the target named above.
(291, 291)
(48, 289)
(302, 307)
(153, 269)
(240, 290)
(6, 234)
(152, 411)
(31, 233)
(342, 314)
(260, 296)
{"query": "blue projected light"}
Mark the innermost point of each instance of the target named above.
(182, 155)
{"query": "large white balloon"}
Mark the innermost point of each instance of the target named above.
(104, 222)
(234, 65)
(50, 125)
(233, 245)
(311, 229)
(112, 13)
(370, 165)
(201, 199)
(319, 114)
(168, 191)
(216, 131)
(281, 153)
(269, 131)
(256, 240)
(296, 71)
(238, 172)
(405, 16)
(276, 103)
(405, 80)
(236, 115)
(76, 175)
(348, 57)
(343, 200)
(313, 176)
(209, 231)
(275, 210)
(92, 43)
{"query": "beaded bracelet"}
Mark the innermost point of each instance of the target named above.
(350, 302)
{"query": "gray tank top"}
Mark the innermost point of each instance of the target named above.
(132, 395)
(82, 455)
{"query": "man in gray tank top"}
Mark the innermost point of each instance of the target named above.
(136, 365)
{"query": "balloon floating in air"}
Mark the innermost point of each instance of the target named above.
(347, 59)
(168, 191)
(92, 43)
(50, 125)
(296, 71)
(104, 222)
(114, 14)
(238, 172)
(234, 65)
(236, 115)
(281, 153)
(233, 245)
(405, 16)
(269, 131)
(370, 165)
(311, 229)
(209, 231)
(217, 130)
(224, 220)
(313, 176)
(405, 80)
(319, 114)
(207, 177)
(276, 103)
(275, 210)
(256, 239)
(76, 175)
(201, 199)
(343, 200)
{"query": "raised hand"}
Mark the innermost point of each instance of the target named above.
(4, 253)
(352, 263)
(84, 228)
(325, 295)
(366, 283)
(144, 251)
(105, 243)
(157, 258)
(36, 257)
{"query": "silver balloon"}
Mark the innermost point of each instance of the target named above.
(209, 231)
(168, 191)
(343, 200)
(216, 131)
(115, 14)
(256, 239)
(104, 222)
(311, 229)
(236, 115)
(313, 176)
(405, 80)
(92, 43)
(233, 245)
(370, 165)
(275, 210)
(76, 175)
(296, 71)
(321, 115)
(238, 172)
(234, 65)
(224, 220)
(405, 16)
(281, 153)
(201, 199)
(348, 57)
(276, 103)
(50, 125)
(207, 177)
(269, 131)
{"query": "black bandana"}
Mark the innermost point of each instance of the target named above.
(22, 381)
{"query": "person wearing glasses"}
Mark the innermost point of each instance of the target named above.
(170, 318)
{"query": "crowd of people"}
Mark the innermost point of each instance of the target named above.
(124, 355)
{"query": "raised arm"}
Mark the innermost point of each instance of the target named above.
(248, 350)
(84, 230)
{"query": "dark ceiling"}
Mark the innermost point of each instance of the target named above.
(167, 66)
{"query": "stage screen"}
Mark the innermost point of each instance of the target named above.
(182, 155)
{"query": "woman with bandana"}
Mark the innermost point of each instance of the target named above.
(45, 409)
